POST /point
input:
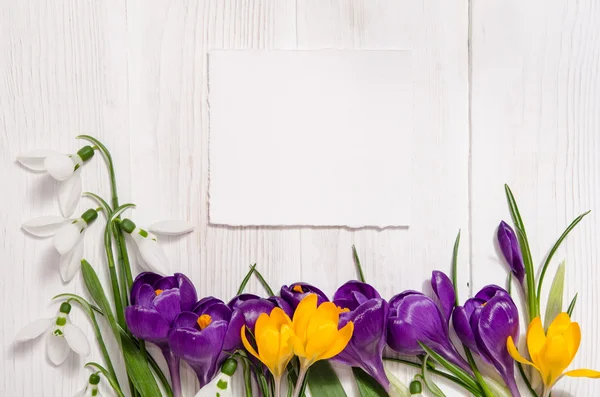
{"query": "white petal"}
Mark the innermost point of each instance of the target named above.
(171, 227)
(212, 390)
(69, 194)
(44, 226)
(70, 262)
(34, 160)
(154, 256)
(59, 166)
(58, 349)
(68, 236)
(34, 329)
(76, 339)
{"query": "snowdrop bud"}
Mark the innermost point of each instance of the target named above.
(65, 308)
(127, 225)
(94, 379)
(416, 387)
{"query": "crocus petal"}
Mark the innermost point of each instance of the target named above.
(71, 262)
(509, 246)
(58, 349)
(583, 373)
(536, 338)
(69, 194)
(187, 291)
(153, 255)
(34, 329)
(76, 339)
(68, 236)
(59, 166)
(444, 290)
(34, 160)
(44, 226)
(171, 227)
(294, 294)
(200, 349)
(462, 327)
(146, 324)
(168, 304)
(559, 325)
(144, 278)
(514, 353)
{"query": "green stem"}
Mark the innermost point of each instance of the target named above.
(299, 381)
(443, 374)
(526, 380)
(109, 376)
(455, 267)
(109, 163)
(482, 384)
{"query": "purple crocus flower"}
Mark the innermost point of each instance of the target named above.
(509, 246)
(484, 324)
(155, 303)
(298, 291)
(205, 336)
(362, 304)
(415, 317)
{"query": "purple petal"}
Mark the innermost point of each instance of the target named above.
(146, 324)
(187, 292)
(293, 297)
(168, 304)
(145, 296)
(509, 246)
(365, 349)
(444, 290)
(492, 324)
(353, 294)
(490, 291)
(200, 349)
(252, 309)
(204, 303)
(240, 299)
(168, 282)
(186, 320)
(143, 278)
(217, 311)
(283, 305)
(462, 326)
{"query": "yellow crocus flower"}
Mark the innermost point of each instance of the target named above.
(273, 334)
(552, 352)
(316, 334)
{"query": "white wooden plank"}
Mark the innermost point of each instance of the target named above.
(436, 32)
(63, 73)
(535, 126)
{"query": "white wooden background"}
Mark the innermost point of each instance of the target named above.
(506, 91)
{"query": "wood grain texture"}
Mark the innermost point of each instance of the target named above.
(133, 73)
(535, 103)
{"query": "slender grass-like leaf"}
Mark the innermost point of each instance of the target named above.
(361, 275)
(456, 371)
(109, 377)
(532, 303)
(245, 280)
(572, 305)
(433, 388)
(118, 211)
(323, 381)
(555, 297)
(367, 385)
(555, 248)
(455, 267)
(264, 283)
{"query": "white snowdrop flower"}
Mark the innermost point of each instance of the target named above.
(149, 254)
(91, 389)
(68, 238)
(62, 167)
(61, 335)
(220, 386)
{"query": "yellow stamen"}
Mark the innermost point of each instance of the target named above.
(298, 288)
(158, 292)
(204, 321)
(344, 310)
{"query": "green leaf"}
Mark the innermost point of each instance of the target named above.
(572, 305)
(361, 275)
(264, 283)
(397, 388)
(323, 381)
(433, 388)
(138, 370)
(555, 298)
(455, 268)
(135, 361)
(555, 248)
(466, 378)
(367, 385)
(245, 280)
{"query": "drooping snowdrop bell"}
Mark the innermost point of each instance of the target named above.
(149, 254)
(91, 389)
(62, 167)
(68, 238)
(61, 335)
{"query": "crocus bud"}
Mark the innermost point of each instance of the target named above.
(509, 246)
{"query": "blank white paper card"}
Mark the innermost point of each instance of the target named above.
(317, 138)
